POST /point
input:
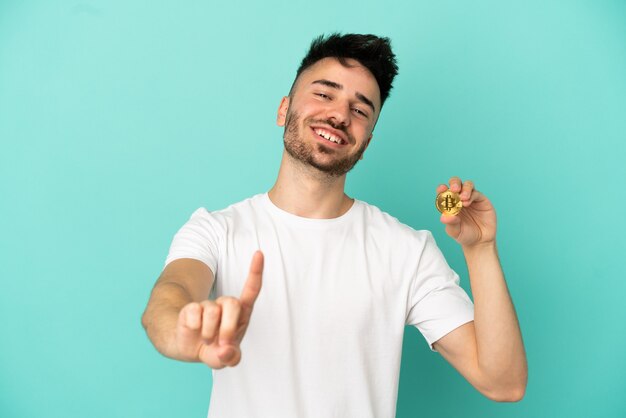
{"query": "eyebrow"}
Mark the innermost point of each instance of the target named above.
(338, 86)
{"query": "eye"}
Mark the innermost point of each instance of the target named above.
(322, 95)
(360, 112)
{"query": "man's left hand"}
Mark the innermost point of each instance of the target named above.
(476, 223)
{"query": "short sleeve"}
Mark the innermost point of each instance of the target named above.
(199, 239)
(437, 304)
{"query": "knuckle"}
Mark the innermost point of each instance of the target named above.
(223, 299)
(192, 307)
(230, 302)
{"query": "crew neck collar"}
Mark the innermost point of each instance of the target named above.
(311, 222)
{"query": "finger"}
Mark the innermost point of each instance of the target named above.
(231, 309)
(252, 288)
(190, 316)
(466, 191)
(208, 355)
(455, 184)
(211, 318)
(477, 196)
(453, 225)
(450, 220)
(229, 352)
(229, 355)
(187, 329)
(441, 188)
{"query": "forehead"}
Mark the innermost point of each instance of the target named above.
(354, 77)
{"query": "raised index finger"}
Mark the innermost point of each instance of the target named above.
(253, 284)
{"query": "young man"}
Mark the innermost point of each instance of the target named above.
(333, 280)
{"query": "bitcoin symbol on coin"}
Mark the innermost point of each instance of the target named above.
(448, 203)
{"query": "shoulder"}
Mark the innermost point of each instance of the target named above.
(221, 220)
(244, 207)
(379, 221)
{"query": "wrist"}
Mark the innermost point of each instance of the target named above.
(488, 247)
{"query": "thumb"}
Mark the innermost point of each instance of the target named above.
(453, 225)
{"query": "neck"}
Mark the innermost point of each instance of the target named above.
(305, 191)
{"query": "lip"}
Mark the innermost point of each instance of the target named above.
(335, 132)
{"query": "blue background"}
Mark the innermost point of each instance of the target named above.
(119, 118)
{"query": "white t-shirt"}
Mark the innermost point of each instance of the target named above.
(325, 336)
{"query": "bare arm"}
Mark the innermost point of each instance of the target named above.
(489, 351)
(182, 281)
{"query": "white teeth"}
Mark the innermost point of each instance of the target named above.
(328, 136)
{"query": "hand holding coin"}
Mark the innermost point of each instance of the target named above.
(448, 203)
(469, 216)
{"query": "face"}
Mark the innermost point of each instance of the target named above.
(330, 115)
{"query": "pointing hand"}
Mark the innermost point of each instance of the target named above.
(211, 331)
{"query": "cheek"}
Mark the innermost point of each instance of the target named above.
(364, 131)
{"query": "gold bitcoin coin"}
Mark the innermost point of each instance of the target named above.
(448, 203)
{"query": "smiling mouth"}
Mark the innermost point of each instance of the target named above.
(322, 133)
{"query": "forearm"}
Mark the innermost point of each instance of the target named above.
(161, 316)
(500, 349)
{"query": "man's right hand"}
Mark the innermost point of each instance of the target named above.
(211, 331)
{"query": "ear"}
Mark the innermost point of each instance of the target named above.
(367, 145)
(282, 111)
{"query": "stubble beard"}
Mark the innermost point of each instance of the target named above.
(304, 152)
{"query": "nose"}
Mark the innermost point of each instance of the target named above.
(339, 113)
